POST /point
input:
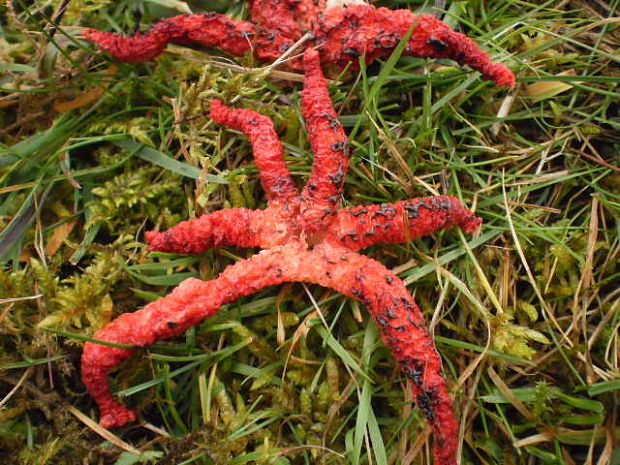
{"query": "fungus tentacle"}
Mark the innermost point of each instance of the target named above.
(268, 151)
(329, 144)
(234, 227)
(206, 29)
(399, 222)
(385, 295)
(186, 306)
(403, 330)
(345, 34)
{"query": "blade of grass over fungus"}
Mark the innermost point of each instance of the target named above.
(163, 280)
(386, 69)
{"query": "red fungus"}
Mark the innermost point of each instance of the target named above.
(343, 34)
(306, 238)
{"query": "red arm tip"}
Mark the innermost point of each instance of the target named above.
(471, 224)
(502, 75)
(116, 418)
(217, 110)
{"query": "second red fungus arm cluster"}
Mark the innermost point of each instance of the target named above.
(342, 34)
(300, 246)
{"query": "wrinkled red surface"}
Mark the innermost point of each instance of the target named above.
(306, 237)
(280, 23)
(343, 34)
(208, 29)
(330, 146)
(275, 176)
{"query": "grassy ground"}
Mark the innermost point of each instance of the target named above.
(525, 315)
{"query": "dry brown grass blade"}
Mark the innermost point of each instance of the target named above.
(580, 302)
(15, 388)
(547, 312)
(89, 96)
(510, 397)
(104, 433)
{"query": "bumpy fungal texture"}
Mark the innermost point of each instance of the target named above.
(329, 144)
(281, 23)
(299, 247)
(399, 222)
(343, 34)
(234, 227)
(207, 29)
(274, 174)
(292, 17)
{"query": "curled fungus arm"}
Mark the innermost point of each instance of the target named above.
(343, 270)
(268, 151)
(186, 306)
(206, 29)
(363, 30)
(343, 35)
(400, 222)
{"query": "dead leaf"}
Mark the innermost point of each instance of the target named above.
(59, 234)
(546, 89)
(89, 96)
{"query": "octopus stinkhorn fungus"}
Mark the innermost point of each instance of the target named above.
(305, 237)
